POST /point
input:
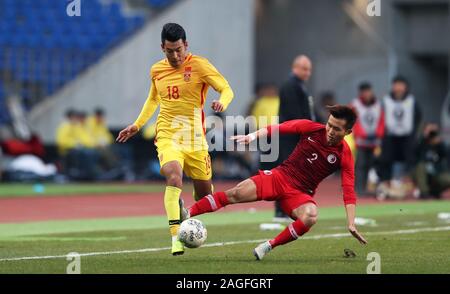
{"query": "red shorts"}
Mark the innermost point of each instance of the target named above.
(271, 185)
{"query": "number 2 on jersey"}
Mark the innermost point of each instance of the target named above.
(314, 157)
(173, 92)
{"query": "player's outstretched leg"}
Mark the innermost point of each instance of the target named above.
(209, 203)
(261, 250)
(306, 216)
(289, 234)
(244, 192)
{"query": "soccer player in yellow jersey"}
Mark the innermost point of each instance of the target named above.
(179, 86)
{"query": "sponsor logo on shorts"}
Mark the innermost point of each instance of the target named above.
(332, 158)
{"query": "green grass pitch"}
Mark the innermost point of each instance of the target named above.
(408, 236)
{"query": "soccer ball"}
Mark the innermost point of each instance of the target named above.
(192, 233)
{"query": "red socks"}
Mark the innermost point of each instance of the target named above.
(209, 203)
(291, 233)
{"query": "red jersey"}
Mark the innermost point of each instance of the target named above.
(313, 159)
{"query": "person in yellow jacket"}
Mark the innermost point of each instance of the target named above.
(85, 137)
(266, 106)
(179, 85)
(66, 134)
(77, 147)
(72, 134)
(98, 129)
(265, 110)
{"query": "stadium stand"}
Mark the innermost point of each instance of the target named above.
(160, 3)
(42, 48)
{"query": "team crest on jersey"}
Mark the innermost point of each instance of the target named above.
(187, 73)
(331, 158)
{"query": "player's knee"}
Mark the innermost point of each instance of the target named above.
(310, 220)
(174, 180)
(235, 194)
(310, 216)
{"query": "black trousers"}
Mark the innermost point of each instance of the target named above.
(395, 149)
(365, 160)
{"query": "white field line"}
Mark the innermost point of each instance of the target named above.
(314, 237)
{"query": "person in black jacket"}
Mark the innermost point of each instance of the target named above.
(403, 118)
(431, 173)
(295, 103)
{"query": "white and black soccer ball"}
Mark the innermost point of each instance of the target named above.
(192, 233)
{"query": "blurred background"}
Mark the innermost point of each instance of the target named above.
(68, 84)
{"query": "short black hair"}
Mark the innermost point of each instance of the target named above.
(81, 113)
(99, 111)
(400, 79)
(364, 86)
(71, 112)
(172, 32)
(344, 112)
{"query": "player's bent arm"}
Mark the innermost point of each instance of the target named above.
(296, 126)
(246, 139)
(149, 108)
(226, 96)
(348, 189)
(348, 175)
(350, 210)
(215, 79)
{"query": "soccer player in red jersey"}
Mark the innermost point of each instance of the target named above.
(320, 152)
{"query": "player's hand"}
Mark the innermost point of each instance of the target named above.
(217, 106)
(244, 139)
(127, 133)
(357, 235)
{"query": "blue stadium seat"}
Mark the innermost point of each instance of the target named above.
(159, 3)
(43, 27)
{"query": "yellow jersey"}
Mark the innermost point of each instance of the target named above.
(73, 135)
(181, 93)
(99, 132)
(265, 111)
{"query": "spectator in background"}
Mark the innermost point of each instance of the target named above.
(431, 173)
(266, 106)
(98, 129)
(66, 138)
(76, 146)
(368, 133)
(102, 137)
(295, 103)
(402, 120)
(83, 134)
(265, 110)
(14, 146)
